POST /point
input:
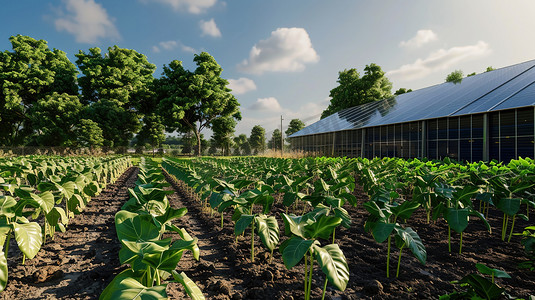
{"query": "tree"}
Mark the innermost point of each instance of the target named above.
(152, 132)
(88, 134)
(257, 140)
(223, 131)
(402, 91)
(294, 126)
(242, 146)
(54, 118)
(275, 142)
(191, 101)
(355, 90)
(455, 76)
(116, 86)
(117, 123)
(489, 68)
(28, 74)
(471, 74)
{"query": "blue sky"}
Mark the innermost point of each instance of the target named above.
(282, 57)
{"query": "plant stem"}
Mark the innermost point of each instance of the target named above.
(252, 242)
(461, 243)
(334, 232)
(324, 288)
(6, 244)
(149, 277)
(512, 226)
(221, 220)
(306, 274)
(23, 258)
(388, 257)
(310, 275)
(399, 260)
(504, 226)
(449, 238)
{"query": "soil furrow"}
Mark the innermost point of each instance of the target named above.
(79, 263)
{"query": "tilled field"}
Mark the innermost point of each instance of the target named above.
(79, 263)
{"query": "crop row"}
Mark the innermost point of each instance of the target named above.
(315, 190)
(140, 226)
(38, 195)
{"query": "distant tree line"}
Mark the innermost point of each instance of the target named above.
(105, 98)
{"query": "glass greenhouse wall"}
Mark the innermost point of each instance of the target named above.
(501, 135)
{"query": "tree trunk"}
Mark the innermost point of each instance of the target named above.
(198, 136)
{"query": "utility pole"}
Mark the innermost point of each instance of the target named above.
(282, 139)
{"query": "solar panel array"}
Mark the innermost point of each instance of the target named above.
(505, 88)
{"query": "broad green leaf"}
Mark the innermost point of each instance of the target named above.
(268, 230)
(323, 227)
(405, 210)
(457, 218)
(483, 287)
(138, 228)
(289, 198)
(509, 206)
(131, 289)
(29, 238)
(243, 223)
(133, 252)
(294, 250)
(45, 200)
(294, 225)
(382, 230)
(334, 264)
(215, 199)
(55, 215)
(413, 241)
(171, 214)
(193, 291)
(6, 205)
(488, 271)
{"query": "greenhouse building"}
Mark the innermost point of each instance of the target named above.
(486, 116)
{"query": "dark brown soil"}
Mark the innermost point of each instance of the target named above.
(80, 263)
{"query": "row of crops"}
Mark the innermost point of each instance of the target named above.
(140, 225)
(312, 192)
(39, 195)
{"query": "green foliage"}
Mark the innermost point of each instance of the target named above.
(275, 142)
(191, 101)
(88, 134)
(402, 91)
(257, 140)
(28, 74)
(56, 116)
(294, 126)
(455, 76)
(354, 90)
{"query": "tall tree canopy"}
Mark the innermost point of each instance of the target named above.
(275, 142)
(223, 129)
(27, 74)
(355, 90)
(294, 126)
(115, 86)
(191, 101)
(257, 140)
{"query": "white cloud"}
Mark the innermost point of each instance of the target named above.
(266, 104)
(209, 28)
(421, 38)
(286, 50)
(191, 6)
(170, 45)
(440, 60)
(308, 113)
(241, 85)
(86, 20)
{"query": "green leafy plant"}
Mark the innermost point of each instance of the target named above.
(477, 286)
(304, 232)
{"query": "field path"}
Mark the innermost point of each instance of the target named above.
(79, 263)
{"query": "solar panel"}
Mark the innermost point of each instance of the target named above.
(508, 87)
